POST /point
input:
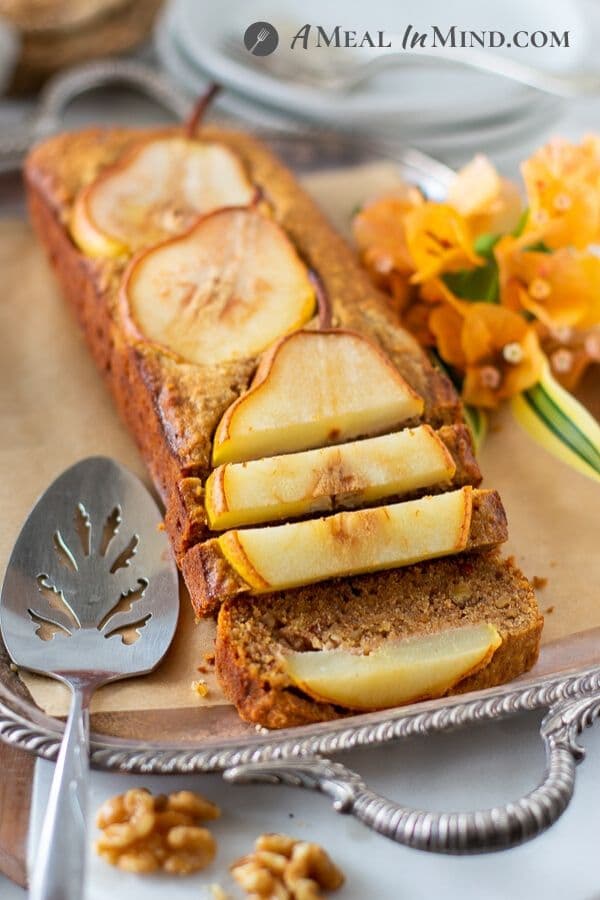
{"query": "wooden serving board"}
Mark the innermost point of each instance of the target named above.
(17, 768)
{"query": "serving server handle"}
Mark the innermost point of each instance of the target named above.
(497, 828)
(58, 873)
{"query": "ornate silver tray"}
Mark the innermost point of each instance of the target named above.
(299, 756)
(565, 681)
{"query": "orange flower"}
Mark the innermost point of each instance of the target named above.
(570, 352)
(415, 319)
(560, 288)
(379, 231)
(415, 316)
(563, 187)
(438, 240)
(436, 291)
(489, 203)
(494, 347)
(446, 324)
(380, 235)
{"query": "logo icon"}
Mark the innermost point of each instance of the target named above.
(261, 38)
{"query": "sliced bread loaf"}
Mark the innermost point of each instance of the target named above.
(173, 407)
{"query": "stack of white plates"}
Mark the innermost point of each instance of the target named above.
(450, 111)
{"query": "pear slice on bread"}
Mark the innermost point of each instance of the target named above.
(225, 290)
(157, 190)
(313, 389)
(273, 558)
(295, 484)
(396, 672)
(364, 540)
(262, 642)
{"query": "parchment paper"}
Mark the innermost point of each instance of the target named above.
(55, 410)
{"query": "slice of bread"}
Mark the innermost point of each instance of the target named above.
(358, 614)
(213, 579)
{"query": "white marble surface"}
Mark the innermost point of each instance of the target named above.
(471, 768)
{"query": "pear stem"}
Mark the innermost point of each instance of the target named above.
(199, 110)
(323, 301)
(258, 198)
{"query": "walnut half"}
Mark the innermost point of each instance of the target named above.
(282, 868)
(141, 833)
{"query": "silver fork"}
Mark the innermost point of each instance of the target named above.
(295, 68)
(262, 35)
(90, 596)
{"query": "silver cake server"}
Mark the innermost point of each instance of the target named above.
(90, 596)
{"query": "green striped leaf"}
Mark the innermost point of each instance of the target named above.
(477, 421)
(557, 421)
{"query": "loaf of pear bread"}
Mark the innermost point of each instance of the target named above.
(173, 406)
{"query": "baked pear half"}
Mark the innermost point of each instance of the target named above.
(225, 290)
(312, 389)
(396, 672)
(158, 189)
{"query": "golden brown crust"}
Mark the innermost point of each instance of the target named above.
(89, 289)
(254, 633)
(458, 441)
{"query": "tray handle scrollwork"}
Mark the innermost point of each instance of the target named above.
(449, 832)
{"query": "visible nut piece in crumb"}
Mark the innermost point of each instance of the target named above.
(141, 833)
(283, 868)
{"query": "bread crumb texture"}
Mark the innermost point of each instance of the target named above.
(359, 614)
